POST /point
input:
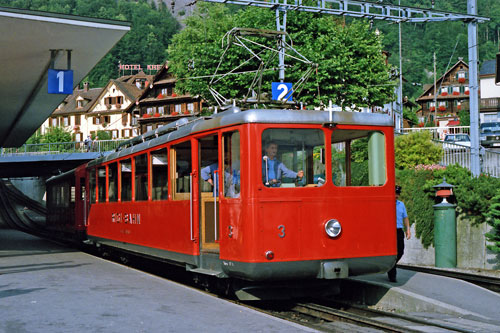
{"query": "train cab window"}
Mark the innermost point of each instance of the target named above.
(231, 154)
(292, 158)
(209, 164)
(181, 165)
(92, 185)
(141, 177)
(358, 158)
(159, 167)
(113, 182)
(101, 184)
(126, 179)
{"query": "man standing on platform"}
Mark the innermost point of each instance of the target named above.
(402, 222)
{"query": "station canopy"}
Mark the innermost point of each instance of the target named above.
(26, 42)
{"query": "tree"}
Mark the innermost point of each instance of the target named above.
(416, 148)
(494, 220)
(55, 135)
(351, 68)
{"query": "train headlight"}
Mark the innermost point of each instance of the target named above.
(333, 228)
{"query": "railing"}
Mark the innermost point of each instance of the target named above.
(61, 148)
(438, 133)
(459, 154)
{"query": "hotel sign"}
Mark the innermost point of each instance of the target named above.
(128, 67)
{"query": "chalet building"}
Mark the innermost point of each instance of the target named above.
(452, 95)
(108, 112)
(159, 104)
(87, 111)
(71, 113)
(489, 103)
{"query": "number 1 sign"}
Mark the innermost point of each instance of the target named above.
(60, 81)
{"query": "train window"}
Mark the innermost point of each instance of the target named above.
(113, 182)
(126, 178)
(92, 185)
(73, 194)
(358, 158)
(231, 142)
(181, 164)
(209, 163)
(101, 184)
(292, 157)
(141, 177)
(159, 162)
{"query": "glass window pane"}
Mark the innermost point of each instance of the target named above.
(291, 157)
(209, 163)
(92, 184)
(159, 163)
(141, 177)
(358, 158)
(101, 184)
(113, 182)
(183, 165)
(232, 165)
(126, 174)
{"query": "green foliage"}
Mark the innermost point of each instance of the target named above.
(102, 135)
(56, 134)
(493, 216)
(474, 195)
(351, 68)
(145, 43)
(418, 202)
(464, 117)
(411, 116)
(416, 148)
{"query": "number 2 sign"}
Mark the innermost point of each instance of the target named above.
(60, 81)
(282, 91)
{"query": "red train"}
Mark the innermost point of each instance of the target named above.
(304, 195)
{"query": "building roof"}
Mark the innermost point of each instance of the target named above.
(488, 68)
(428, 89)
(25, 56)
(70, 102)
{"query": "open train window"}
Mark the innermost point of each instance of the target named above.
(292, 157)
(181, 170)
(159, 162)
(358, 158)
(92, 185)
(126, 178)
(209, 164)
(113, 182)
(141, 177)
(101, 184)
(231, 154)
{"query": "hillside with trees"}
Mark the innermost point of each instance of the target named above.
(447, 39)
(146, 43)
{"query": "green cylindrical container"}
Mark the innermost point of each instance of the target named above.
(445, 235)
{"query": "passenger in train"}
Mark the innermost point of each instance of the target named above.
(402, 221)
(231, 178)
(273, 170)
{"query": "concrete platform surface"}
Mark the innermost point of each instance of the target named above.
(427, 293)
(45, 287)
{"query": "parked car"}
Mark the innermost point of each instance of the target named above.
(490, 134)
(456, 141)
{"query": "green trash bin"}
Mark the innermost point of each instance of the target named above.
(445, 235)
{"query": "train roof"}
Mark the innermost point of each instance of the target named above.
(235, 116)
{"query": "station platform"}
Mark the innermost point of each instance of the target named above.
(45, 287)
(417, 294)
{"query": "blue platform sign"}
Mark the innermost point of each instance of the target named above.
(282, 91)
(60, 81)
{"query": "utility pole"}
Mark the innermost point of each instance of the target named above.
(435, 92)
(475, 164)
(400, 126)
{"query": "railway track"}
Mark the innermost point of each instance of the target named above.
(354, 318)
(488, 282)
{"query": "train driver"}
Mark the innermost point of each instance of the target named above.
(273, 170)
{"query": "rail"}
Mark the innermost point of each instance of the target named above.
(61, 148)
(438, 133)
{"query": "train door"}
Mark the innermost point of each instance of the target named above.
(208, 150)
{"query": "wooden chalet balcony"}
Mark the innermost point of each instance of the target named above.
(489, 104)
